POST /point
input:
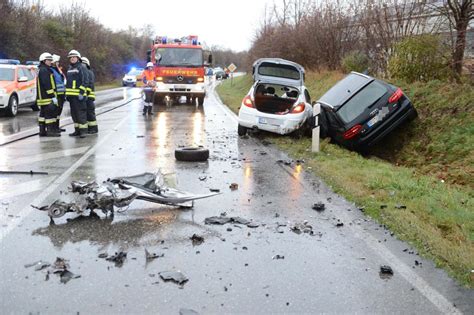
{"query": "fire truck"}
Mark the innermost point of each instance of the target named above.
(179, 69)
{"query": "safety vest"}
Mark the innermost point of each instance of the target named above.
(45, 86)
(59, 80)
(148, 75)
(76, 80)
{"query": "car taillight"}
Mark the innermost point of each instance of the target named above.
(297, 109)
(396, 96)
(247, 101)
(351, 133)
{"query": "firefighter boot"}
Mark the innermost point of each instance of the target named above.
(82, 132)
(42, 130)
(75, 133)
(150, 110)
(144, 110)
(92, 130)
(51, 131)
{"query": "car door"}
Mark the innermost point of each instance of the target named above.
(31, 90)
(22, 87)
(279, 71)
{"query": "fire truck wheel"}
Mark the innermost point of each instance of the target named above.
(200, 100)
(189, 100)
(158, 100)
(191, 154)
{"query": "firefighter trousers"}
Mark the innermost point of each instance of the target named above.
(61, 99)
(47, 114)
(78, 112)
(91, 117)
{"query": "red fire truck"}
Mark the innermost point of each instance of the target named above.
(179, 68)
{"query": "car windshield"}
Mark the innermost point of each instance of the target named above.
(359, 102)
(190, 57)
(279, 70)
(344, 89)
(135, 72)
(7, 74)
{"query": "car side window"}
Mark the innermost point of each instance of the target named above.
(31, 74)
(331, 118)
(23, 73)
(307, 96)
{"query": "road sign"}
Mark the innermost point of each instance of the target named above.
(232, 67)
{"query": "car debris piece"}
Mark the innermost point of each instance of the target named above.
(187, 311)
(197, 239)
(386, 272)
(234, 186)
(120, 192)
(103, 255)
(118, 258)
(59, 267)
(149, 256)
(221, 220)
(39, 265)
(319, 206)
(278, 257)
(299, 228)
(67, 275)
(192, 154)
(174, 276)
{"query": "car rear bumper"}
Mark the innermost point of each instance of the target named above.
(280, 124)
(406, 112)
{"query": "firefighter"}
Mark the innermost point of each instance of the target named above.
(46, 97)
(59, 79)
(76, 93)
(149, 81)
(91, 117)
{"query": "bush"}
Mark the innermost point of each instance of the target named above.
(355, 61)
(420, 58)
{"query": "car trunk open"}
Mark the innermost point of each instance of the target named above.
(274, 99)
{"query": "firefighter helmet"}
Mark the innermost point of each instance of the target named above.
(86, 61)
(150, 64)
(45, 56)
(56, 58)
(74, 53)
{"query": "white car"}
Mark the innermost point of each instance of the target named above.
(278, 101)
(132, 77)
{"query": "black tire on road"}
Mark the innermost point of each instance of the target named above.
(35, 107)
(12, 109)
(191, 154)
(241, 130)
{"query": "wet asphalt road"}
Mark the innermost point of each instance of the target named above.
(235, 270)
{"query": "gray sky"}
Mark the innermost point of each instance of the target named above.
(228, 23)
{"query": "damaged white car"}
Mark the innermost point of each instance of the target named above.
(278, 101)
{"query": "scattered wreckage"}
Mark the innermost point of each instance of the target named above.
(120, 192)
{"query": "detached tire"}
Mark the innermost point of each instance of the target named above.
(241, 130)
(191, 154)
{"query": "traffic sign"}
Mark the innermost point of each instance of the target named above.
(232, 67)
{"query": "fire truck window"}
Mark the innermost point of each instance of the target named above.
(180, 57)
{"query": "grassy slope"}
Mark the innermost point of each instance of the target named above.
(438, 218)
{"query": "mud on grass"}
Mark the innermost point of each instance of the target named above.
(438, 219)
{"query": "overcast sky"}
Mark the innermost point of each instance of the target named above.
(228, 23)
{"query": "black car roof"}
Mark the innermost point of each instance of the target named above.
(345, 89)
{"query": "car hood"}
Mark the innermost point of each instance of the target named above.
(6, 84)
(127, 76)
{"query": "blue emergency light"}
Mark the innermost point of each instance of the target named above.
(164, 40)
(9, 61)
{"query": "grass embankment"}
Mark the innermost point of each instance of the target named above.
(439, 218)
(108, 85)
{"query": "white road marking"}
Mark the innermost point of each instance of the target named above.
(39, 200)
(430, 293)
(25, 188)
(44, 156)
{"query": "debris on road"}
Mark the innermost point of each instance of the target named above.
(118, 258)
(234, 186)
(339, 223)
(120, 192)
(39, 265)
(386, 272)
(197, 239)
(319, 206)
(149, 256)
(299, 228)
(214, 190)
(278, 257)
(222, 219)
(187, 311)
(60, 267)
(174, 276)
(191, 154)
(103, 255)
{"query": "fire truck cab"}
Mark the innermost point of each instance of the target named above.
(179, 69)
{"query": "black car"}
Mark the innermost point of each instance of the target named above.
(360, 110)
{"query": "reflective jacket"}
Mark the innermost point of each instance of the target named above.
(91, 83)
(148, 75)
(77, 80)
(59, 80)
(45, 85)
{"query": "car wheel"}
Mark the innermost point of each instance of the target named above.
(200, 100)
(35, 107)
(191, 154)
(241, 130)
(12, 108)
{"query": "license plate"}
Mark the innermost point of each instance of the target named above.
(373, 121)
(179, 86)
(262, 120)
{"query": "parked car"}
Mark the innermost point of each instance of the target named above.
(278, 101)
(360, 110)
(220, 73)
(132, 77)
(17, 88)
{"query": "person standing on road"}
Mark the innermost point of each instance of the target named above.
(59, 79)
(46, 97)
(149, 81)
(76, 93)
(91, 117)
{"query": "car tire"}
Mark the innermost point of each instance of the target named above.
(241, 130)
(12, 109)
(35, 107)
(200, 100)
(191, 154)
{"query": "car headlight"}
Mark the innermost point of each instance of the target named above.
(3, 91)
